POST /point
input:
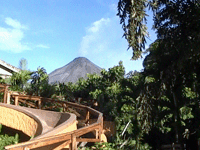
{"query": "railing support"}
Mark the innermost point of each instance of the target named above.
(96, 133)
(87, 117)
(64, 107)
(39, 104)
(101, 129)
(5, 94)
(8, 98)
(16, 100)
(73, 144)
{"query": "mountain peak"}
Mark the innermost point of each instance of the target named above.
(74, 70)
(83, 58)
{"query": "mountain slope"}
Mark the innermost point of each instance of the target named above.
(74, 70)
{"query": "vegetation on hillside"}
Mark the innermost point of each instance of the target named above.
(134, 99)
(160, 104)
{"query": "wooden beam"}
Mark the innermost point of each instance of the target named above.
(97, 134)
(8, 98)
(101, 129)
(100, 118)
(87, 140)
(87, 117)
(39, 104)
(5, 94)
(65, 107)
(86, 129)
(41, 142)
(63, 145)
(73, 144)
(29, 97)
(28, 103)
(16, 100)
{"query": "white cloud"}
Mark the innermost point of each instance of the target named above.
(11, 37)
(98, 25)
(93, 35)
(113, 8)
(103, 44)
(14, 23)
(42, 46)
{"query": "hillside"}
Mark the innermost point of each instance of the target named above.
(74, 70)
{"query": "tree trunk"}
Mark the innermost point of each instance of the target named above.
(177, 121)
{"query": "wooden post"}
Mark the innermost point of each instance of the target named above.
(8, 98)
(74, 145)
(87, 117)
(5, 94)
(16, 100)
(97, 133)
(39, 104)
(101, 128)
(64, 107)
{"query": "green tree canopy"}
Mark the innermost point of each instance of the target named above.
(171, 68)
(23, 64)
(174, 21)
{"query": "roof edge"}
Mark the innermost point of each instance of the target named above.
(7, 65)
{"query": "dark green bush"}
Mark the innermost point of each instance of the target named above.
(7, 140)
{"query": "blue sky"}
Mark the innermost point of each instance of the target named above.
(51, 33)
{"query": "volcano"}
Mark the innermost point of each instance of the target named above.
(78, 68)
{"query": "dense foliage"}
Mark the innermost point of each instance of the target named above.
(157, 106)
(133, 19)
(170, 99)
(174, 21)
(118, 97)
(7, 140)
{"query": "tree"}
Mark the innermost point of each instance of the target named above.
(23, 64)
(170, 17)
(118, 96)
(19, 80)
(104, 88)
(39, 84)
(173, 60)
(176, 89)
(133, 19)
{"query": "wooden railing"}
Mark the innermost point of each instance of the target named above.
(4, 89)
(70, 138)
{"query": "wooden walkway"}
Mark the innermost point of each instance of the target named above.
(70, 138)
